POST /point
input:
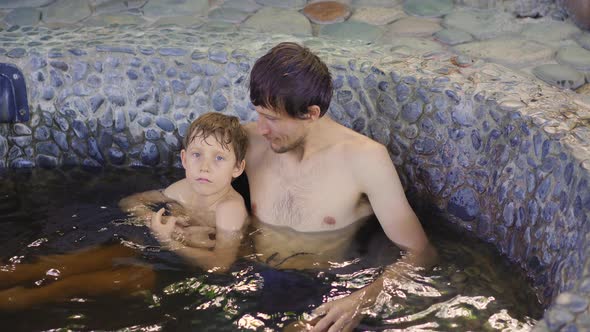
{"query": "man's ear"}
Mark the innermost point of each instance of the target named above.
(239, 169)
(313, 112)
(183, 157)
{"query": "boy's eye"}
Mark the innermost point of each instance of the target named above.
(196, 154)
(219, 158)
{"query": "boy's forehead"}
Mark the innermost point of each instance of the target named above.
(211, 140)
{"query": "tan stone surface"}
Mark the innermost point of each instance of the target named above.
(326, 12)
(377, 16)
(415, 26)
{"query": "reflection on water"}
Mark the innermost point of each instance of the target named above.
(472, 287)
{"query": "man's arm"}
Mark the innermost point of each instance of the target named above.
(378, 179)
(143, 205)
(231, 218)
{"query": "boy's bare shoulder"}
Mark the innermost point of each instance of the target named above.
(231, 213)
(178, 190)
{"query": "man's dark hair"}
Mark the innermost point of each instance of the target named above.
(291, 78)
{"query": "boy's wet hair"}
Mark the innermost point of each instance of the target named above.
(291, 78)
(226, 129)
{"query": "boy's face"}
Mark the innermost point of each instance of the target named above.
(208, 166)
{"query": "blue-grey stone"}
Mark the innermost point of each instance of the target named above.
(37, 62)
(42, 133)
(94, 81)
(45, 161)
(16, 53)
(165, 124)
(146, 50)
(120, 121)
(218, 55)
(353, 82)
(210, 69)
(60, 139)
(402, 93)
(456, 134)
(411, 112)
(116, 156)
(62, 123)
(425, 146)
(185, 76)
(464, 204)
(122, 141)
(178, 86)
(193, 85)
(94, 151)
(171, 72)
(172, 51)
(150, 154)
(77, 52)
(22, 163)
(22, 129)
(96, 102)
(59, 65)
(80, 129)
(181, 102)
(80, 147)
(132, 74)
(106, 119)
(56, 78)
(343, 96)
(14, 152)
(144, 121)
(434, 179)
(544, 188)
(166, 104)
(453, 95)
(508, 214)
(152, 135)
(219, 101)
(48, 148)
(115, 49)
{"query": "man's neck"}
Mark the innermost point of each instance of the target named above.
(314, 141)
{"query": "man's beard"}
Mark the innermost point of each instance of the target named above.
(286, 148)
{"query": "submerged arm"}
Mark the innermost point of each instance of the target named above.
(379, 180)
(231, 218)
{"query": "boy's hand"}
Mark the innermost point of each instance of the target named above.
(162, 227)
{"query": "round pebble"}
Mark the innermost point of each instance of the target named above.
(326, 12)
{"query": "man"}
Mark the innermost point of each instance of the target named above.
(313, 181)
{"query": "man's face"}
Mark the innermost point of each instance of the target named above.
(282, 132)
(208, 166)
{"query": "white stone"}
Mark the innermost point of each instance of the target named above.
(510, 51)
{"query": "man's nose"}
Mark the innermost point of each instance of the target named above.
(262, 126)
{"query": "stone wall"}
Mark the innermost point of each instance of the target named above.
(491, 151)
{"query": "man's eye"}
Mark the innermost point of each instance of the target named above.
(219, 158)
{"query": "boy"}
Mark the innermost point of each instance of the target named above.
(204, 202)
(213, 154)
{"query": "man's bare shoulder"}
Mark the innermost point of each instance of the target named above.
(354, 145)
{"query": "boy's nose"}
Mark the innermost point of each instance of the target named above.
(204, 166)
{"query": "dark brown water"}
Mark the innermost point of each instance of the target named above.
(54, 212)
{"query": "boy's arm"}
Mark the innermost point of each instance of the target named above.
(231, 218)
(379, 180)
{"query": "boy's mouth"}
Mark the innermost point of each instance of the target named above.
(203, 180)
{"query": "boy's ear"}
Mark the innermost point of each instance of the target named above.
(239, 169)
(183, 157)
(313, 112)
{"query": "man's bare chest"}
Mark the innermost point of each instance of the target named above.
(307, 200)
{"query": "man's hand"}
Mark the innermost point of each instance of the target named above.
(343, 314)
(195, 236)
